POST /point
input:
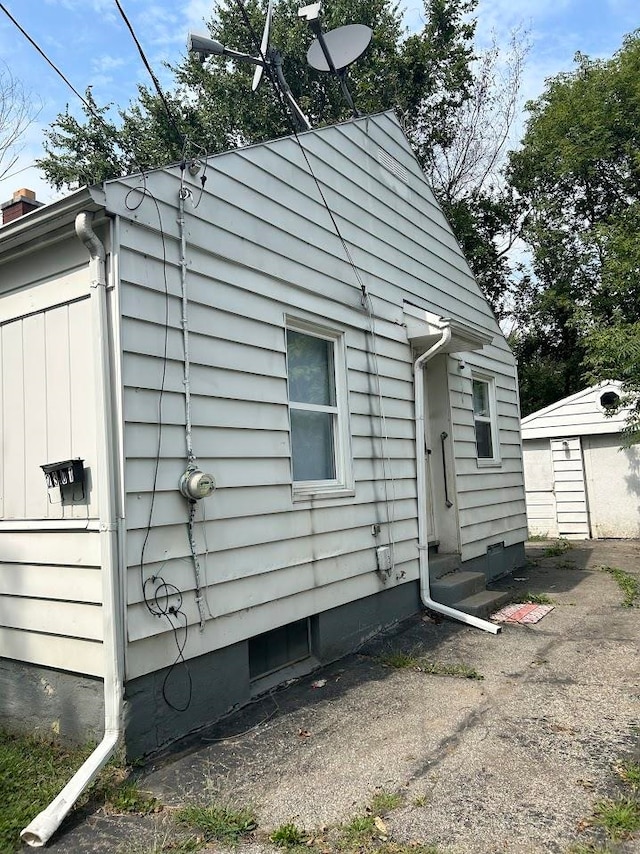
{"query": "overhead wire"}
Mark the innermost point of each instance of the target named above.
(45, 57)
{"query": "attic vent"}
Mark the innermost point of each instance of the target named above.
(609, 400)
(392, 165)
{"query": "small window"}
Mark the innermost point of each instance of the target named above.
(318, 416)
(484, 420)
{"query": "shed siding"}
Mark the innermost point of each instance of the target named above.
(613, 484)
(261, 246)
(50, 586)
(577, 415)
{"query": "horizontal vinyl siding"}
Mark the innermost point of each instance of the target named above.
(577, 415)
(259, 249)
(50, 599)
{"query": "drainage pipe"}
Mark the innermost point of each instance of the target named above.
(47, 822)
(421, 463)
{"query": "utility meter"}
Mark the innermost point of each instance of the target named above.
(196, 484)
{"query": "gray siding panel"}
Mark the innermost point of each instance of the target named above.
(261, 246)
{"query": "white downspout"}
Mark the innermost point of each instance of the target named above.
(47, 822)
(423, 543)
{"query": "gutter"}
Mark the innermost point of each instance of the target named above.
(39, 831)
(421, 477)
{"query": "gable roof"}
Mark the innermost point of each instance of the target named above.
(579, 414)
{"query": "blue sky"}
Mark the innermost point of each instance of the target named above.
(89, 42)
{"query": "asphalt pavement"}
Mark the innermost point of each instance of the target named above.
(510, 762)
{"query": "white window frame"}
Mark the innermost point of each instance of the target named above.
(343, 483)
(491, 420)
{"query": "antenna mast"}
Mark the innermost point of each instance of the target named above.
(336, 50)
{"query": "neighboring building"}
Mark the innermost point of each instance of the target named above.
(300, 378)
(580, 482)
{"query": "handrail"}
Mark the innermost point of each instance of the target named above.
(444, 435)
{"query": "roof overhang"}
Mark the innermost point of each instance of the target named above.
(49, 223)
(424, 329)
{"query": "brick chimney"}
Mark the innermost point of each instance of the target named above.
(23, 202)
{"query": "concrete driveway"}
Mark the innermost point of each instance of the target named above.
(512, 762)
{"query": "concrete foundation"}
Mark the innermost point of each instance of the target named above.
(40, 700)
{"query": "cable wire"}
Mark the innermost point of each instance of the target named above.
(46, 59)
(156, 82)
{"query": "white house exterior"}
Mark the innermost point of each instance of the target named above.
(580, 483)
(300, 376)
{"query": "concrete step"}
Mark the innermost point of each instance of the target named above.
(457, 586)
(443, 564)
(484, 603)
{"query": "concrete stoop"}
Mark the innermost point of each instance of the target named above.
(461, 589)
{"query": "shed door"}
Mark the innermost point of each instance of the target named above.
(571, 497)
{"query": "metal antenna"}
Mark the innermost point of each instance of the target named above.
(270, 59)
(336, 50)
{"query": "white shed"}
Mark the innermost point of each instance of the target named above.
(255, 329)
(580, 482)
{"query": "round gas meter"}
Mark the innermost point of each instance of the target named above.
(196, 484)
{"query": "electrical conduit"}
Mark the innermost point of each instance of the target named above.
(38, 832)
(421, 463)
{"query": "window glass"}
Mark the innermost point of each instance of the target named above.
(480, 398)
(483, 416)
(310, 365)
(312, 445)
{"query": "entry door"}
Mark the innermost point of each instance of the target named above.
(572, 510)
(442, 516)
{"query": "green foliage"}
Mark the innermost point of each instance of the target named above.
(383, 802)
(219, 822)
(456, 107)
(127, 797)
(535, 598)
(557, 548)
(288, 836)
(32, 772)
(628, 584)
(399, 659)
(618, 816)
(629, 772)
(578, 172)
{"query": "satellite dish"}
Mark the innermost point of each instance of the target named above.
(342, 47)
(264, 47)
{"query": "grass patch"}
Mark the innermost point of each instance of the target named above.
(217, 822)
(628, 584)
(422, 664)
(629, 771)
(288, 836)
(32, 772)
(536, 598)
(127, 797)
(558, 548)
(619, 817)
(383, 802)
(538, 538)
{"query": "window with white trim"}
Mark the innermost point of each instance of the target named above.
(316, 373)
(484, 419)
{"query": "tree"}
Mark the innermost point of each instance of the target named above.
(17, 111)
(578, 172)
(456, 108)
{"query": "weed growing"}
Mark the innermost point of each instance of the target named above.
(628, 584)
(629, 772)
(536, 598)
(558, 548)
(383, 802)
(620, 817)
(288, 836)
(218, 822)
(414, 661)
(32, 772)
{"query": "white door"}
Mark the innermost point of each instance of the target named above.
(571, 497)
